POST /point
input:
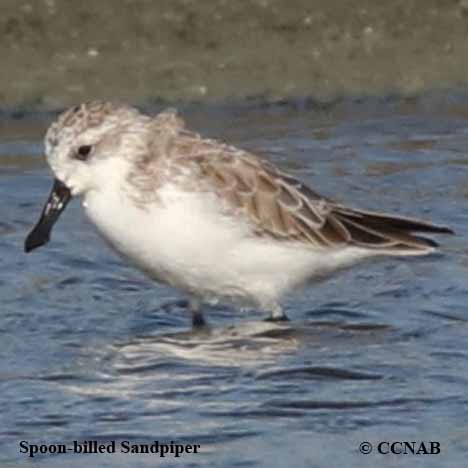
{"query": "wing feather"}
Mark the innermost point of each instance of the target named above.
(281, 207)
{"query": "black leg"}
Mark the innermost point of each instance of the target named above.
(198, 320)
(277, 315)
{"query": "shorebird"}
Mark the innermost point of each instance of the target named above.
(215, 221)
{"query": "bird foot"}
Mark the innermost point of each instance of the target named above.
(280, 318)
(198, 321)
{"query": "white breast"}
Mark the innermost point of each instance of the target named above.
(185, 240)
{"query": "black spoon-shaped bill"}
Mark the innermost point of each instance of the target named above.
(58, 199)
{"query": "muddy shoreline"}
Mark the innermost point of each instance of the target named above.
(58, 52)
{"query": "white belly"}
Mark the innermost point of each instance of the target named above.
(184, 240)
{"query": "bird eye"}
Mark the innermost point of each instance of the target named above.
(83, 152)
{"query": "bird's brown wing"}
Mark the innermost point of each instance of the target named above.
(281, 207)
(275, 204)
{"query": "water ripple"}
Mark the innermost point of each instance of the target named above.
(92, 350)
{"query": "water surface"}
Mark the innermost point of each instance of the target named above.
(91, 349)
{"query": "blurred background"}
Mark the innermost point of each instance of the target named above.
(58, 52)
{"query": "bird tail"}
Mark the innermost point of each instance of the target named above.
(390, 235)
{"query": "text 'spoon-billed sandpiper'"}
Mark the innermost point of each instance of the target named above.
(215, 221)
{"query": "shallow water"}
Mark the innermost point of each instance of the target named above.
(91, 350)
